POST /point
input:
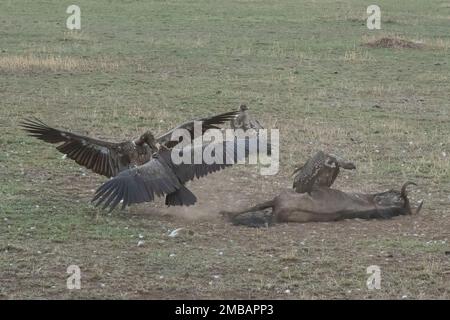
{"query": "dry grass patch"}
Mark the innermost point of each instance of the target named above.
(50, 63)
(393, 42)
(76, 36)
(357, 55)
(440, 44)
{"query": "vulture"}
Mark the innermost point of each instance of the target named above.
(110, 158)
(244, 121)
(162, 176)
(321, 170)
(143, 168)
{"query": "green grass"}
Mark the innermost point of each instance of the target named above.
(302, 67)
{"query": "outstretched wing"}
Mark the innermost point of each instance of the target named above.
(207, 123)
(102, 157)
(138, 184)
(227, 155)
(163, 174)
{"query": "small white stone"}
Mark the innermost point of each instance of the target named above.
(287, 291)
(172, 255)
(140, 243)
(216, 276)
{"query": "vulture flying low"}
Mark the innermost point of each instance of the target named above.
(109, 158)
(162, 176)
(143, 168)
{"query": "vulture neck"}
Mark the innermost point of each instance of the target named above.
(148, 139)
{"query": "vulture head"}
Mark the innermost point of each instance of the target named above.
(147, 138)
(243, 107)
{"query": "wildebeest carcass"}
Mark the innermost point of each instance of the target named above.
(320, 203)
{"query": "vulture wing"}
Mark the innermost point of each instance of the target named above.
(102, 157)
(207, 123)
(306, 176)
(138, 184)
(161, 176)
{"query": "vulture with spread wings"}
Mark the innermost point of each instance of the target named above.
(164, 176)
(110, 158)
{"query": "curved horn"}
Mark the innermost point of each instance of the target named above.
(405, 185)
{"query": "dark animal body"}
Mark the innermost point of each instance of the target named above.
(161, 176)
(110, 158)
(312, 199)
(325, 204)
(102, 157)
(142, 168)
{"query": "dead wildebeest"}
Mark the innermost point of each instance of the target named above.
(322, 203)
(325, 204)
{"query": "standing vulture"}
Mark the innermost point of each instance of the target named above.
(321, 170)
(244, 121)
(110, 158)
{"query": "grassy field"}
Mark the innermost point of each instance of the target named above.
(309, 68)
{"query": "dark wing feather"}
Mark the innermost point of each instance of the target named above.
(137, 185)
(189, 171)
(207, 123)
(161, 176)
(306, 175)
(102, 157)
